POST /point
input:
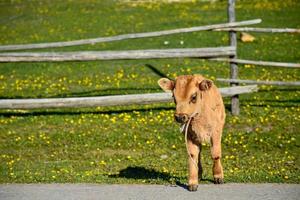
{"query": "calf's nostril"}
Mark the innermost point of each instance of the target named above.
(181, 118)
(177, 117)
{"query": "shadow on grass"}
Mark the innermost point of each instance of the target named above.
(109, 92)
(266, 102)
(281, 89)
(156, 71)
(91, 93)
(141, 173)
(78, 112)
(150, 174)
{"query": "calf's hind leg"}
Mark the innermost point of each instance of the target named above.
(216, 156)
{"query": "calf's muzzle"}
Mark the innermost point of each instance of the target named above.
(181, 118)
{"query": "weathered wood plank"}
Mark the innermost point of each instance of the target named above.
(280, 83)
(262, 30)
(232, 91)
(117, 100)
(126, 36)
(116, 55)
(235, 109)
(262, 63)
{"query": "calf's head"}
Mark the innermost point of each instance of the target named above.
(187, 93)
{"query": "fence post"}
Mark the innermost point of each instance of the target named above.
(235, 110)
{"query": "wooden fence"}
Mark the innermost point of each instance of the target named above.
(117, 55)
(127, 36)
(215, 53)
(115, 100)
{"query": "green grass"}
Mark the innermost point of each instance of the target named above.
(142, 144)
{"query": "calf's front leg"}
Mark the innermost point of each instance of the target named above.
(193, 169)
(200, 169)
(216, 156)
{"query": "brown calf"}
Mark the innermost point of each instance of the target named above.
(199, 99)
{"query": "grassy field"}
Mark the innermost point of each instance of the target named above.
(142, 144)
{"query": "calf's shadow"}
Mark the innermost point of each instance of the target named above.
(150, 174)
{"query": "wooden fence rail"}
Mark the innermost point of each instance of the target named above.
(115, 100)
(117, 55)
(280, 83)
(262, 63)
(126, 36)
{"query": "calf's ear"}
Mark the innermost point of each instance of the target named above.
(166, 84)
(205, 84)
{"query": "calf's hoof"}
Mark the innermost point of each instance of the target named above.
(218, 181)
(192, 188)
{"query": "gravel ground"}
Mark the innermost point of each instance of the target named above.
(103, 192)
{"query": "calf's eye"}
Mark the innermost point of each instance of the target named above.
(194, 98)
